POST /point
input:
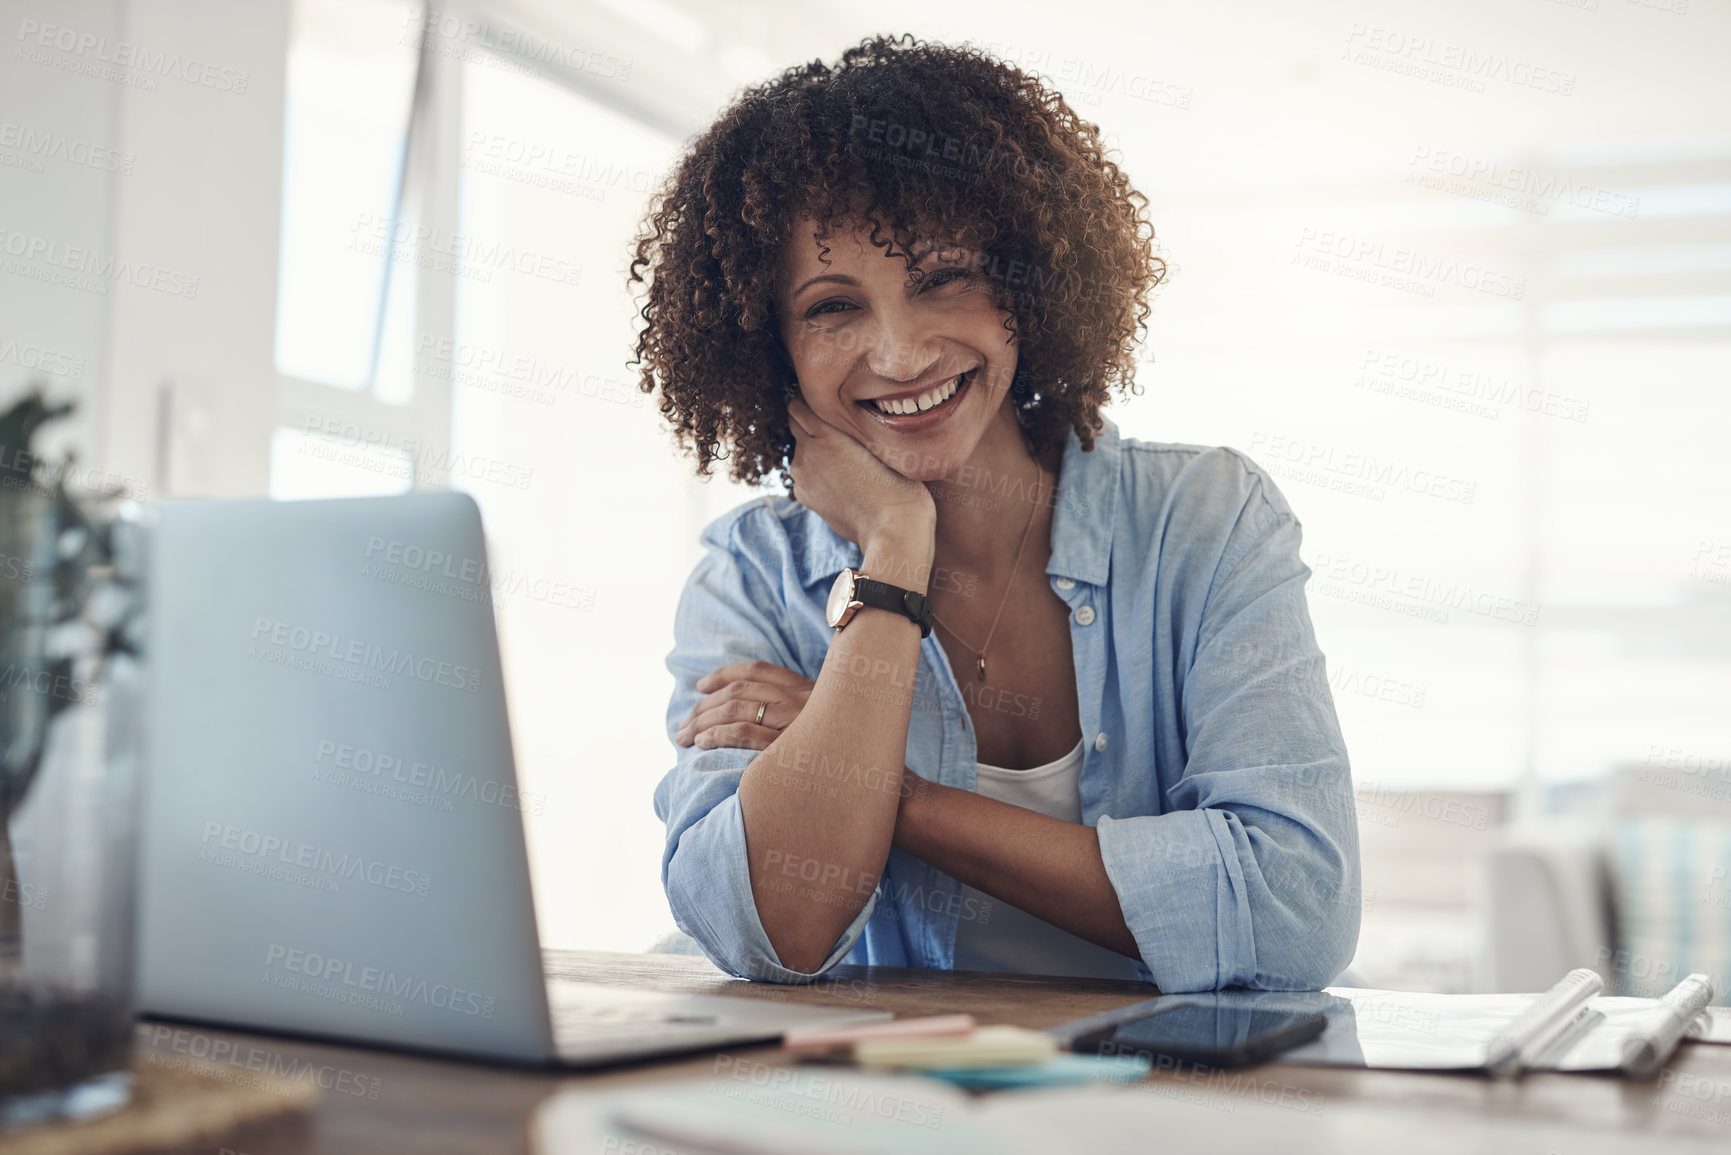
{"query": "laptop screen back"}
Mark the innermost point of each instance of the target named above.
(332, 841)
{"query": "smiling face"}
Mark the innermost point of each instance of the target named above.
(916, 373)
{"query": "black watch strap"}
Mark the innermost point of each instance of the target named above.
(887, 597)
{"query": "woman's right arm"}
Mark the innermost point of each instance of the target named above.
(773, 855)
(819, 803)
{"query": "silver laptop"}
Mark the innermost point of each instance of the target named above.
(332, 840)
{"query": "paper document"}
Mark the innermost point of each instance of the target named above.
(1712, 1025)
(1395, 1029)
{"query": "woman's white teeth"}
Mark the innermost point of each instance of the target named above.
(928, 399)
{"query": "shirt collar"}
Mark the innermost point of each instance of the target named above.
(1087, 509)
(1082, 521)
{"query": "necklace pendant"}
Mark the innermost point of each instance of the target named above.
(981, 676)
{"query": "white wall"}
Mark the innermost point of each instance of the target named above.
(48, 117)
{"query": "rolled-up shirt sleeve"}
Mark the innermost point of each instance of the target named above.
(728, 612)
(1251, 877)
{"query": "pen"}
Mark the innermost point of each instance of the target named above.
(1542, 1023)
(1642, 1054)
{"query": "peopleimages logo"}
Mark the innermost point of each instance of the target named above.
(358, 764)
(244, 1059)
(122, 60)
(47, 684)
(56, 146)
(1367, 258)
(341, 981)
(1341, 576)
(466, 577)
(456, 252)
(306, 856)
(318, 644)
(42, 360)
(1302, 460)
(1453, 811)
(76, 267)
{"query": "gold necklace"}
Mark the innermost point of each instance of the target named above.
(1014, 566)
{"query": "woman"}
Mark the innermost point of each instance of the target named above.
(909, 281)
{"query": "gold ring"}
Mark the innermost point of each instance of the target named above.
(761, 707)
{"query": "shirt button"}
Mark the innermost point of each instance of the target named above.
(1085, 616)
(1100, 741)
(1065, 583)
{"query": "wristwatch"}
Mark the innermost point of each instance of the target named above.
(853, 589)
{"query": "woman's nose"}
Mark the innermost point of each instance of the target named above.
(902, 354)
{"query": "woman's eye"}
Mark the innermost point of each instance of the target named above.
(934, 280)
(823, 307)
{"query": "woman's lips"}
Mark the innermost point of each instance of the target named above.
(913, 422)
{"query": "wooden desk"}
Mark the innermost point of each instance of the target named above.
(377, 1101)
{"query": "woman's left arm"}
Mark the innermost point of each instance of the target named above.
(1251, 876)
(1049, 868)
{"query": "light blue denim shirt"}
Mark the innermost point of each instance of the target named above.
(1215, 771)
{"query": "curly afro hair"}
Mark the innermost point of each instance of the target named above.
(916, 140)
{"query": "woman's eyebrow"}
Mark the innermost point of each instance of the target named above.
(838, 278)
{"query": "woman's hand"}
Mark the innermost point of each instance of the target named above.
(843, 482)
(727, 715)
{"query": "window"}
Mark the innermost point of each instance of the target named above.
(351, 74)
(367, 274)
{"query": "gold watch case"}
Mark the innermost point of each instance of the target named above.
(842, 605)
